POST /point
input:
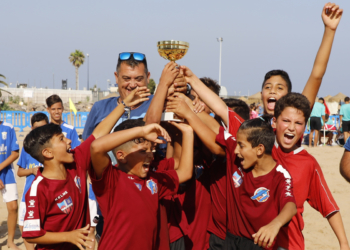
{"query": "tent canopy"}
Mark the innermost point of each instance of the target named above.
(337, 98)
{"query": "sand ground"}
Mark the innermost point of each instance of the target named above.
(318, 234)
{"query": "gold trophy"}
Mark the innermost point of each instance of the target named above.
(172, 50)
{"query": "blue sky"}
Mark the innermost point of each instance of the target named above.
(38, 36)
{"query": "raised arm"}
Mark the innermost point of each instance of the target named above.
(205, 134)
(331, 15)
(154, 112)
(185, 169)
(101, 146)
(212, 100)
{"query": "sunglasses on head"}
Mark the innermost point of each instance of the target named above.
(137, 56)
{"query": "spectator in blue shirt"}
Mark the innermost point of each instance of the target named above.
(55, 109)
(345, 118)
(318, 113)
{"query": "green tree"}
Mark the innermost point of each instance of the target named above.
(151, 86)
(3, 82)
(77, 59)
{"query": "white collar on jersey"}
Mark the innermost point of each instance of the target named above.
(296, 151)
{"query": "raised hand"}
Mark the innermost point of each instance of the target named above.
(78, 237)
(169, 74)
(138, 95)
(178, 106)
(183, 127)
(35, 170)
(331, 15)
(152, 131)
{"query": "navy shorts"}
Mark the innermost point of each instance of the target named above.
(315, 123)
(233, 242)
(346, 126)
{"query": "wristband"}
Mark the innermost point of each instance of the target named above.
(189, 88)
(127, 109)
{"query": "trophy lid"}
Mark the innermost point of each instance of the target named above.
(172, 50)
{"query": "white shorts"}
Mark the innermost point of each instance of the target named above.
(21, 213)
(9, 193)
(93, 212)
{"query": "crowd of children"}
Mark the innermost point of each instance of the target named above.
(224, 180)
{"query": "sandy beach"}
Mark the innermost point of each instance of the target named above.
(318, 234)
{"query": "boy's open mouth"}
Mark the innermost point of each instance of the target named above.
(146, 166)
(69, 150)
(288, 137)
(271, 102)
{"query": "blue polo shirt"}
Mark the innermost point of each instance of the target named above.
(345, 112)
(103, 108)
(8, 143)
(70, 133)
(27, 162)
(318, 110)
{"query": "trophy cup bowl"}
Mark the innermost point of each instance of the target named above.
(172, 50)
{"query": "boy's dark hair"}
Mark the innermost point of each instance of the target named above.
(128, 124)
(239, 106)
(326, 116)
(278, 72)
(321, 99)
(51, 100)
(38, 117)
(39, 138)
(293, 100)
(346, 99)
(211, 84)
(132, 63)
(259, 131)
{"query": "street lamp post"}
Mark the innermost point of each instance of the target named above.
(220, 40)
(88, 72)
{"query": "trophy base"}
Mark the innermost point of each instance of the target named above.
(171, 116)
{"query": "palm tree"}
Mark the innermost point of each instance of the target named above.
(2, 82)
(77, 59)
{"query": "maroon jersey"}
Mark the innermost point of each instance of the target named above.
(217, 222)
(130, 205)
(256, 201)
(309, 185)
(59, 205)
(196, 204)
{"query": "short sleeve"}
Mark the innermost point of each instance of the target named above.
(108, 180)
(90, 122)
(234, 122)
(347, 145)
(14, 142)
(82, 155)
(320, 197)
(36, 205)
(75, 138)
(168, 182)
(226, 140)
(22, 159)
(341, 110)
(285, 192)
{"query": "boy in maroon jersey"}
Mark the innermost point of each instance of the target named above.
(291, 114)
(129, 194)
(57, 212)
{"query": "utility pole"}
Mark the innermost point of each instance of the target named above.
(88, 72)
(220, 40)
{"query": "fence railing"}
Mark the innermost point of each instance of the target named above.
(21, 119)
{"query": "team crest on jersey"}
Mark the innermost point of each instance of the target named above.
(151, 185)
(66, 205)
(77, 182)
(31, 203)
(237, 179)
(4, 135)
(261, 194)
(65, 134)
(138, 185)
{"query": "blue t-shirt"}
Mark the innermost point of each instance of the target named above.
(27, 162)
(8, 143)
(345, 112)
(70, 133)
(103, 108)
(318, 110)
(347, 145)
